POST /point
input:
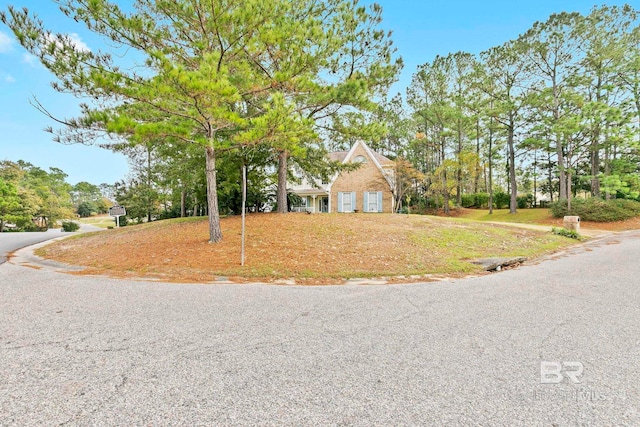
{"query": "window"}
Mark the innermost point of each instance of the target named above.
(346, 202)
(359, 159)
(372, 201)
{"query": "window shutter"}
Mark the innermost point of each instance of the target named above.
(365, 204)
(339, 202)
(379, 201)
(353, 202)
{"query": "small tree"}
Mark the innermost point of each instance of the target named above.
(85, 209)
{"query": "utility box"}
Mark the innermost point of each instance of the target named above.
(572, 223)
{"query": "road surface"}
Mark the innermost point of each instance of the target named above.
(502, 349)
(9, 242)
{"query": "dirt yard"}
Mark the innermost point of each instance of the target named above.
(308, 248)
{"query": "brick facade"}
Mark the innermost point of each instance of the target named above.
(367, 178)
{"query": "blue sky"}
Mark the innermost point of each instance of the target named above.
(421, 30)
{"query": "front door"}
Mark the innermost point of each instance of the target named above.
(324, 204)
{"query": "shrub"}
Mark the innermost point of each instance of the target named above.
(501, 200)
(482, 200)
(475, 200)
(86, 209)
(469, 201)
(525, 201)
(597, 210)
(571, 234)
(70, 226)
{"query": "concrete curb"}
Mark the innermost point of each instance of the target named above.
(26, 257)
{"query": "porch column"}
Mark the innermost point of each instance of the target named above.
(314, 202)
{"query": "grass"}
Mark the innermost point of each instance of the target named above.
(524, 216)
(542, 217)
(102, 221)
(309, 248)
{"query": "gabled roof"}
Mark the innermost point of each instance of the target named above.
(337, 156)
(384, 161)
(345, 156)
(340, 156)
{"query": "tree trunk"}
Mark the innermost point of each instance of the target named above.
(149, 207)
(595, 169)
(637, 95)
(281, 195)
(559, 147)
(535, 178)
(459, 167)
(195, 206)
(183, 197)
(445, 188)
(550, 177)
(512, 170)
(476, 184)
(569, 195)
(215, 232)
(607, 171)
(490, 168)
(562, 174)
(595, 146)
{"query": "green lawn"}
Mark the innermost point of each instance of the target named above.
(103, 221)
(525, 216)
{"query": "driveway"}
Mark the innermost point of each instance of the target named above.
(556, 343)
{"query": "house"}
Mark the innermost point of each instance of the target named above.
(366, 189)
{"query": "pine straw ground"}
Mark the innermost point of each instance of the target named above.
(308, 248)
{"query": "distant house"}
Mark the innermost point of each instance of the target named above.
(367, 189)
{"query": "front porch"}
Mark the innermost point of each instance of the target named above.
(312, 203)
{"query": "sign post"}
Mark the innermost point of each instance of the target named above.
(117, 211)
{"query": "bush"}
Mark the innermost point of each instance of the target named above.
(86, 209)
(525, 202)
(475, 200)
(597, 210)
(482, 200)
(501, 200)
(469, 201)
(70, 226)
(174, 212)
(571, 234)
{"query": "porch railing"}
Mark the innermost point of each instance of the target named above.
(302, 209)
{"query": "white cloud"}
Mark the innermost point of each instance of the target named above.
(5, 42)
(78, 43)
(6, 78)
(75, 40)
(29, 59)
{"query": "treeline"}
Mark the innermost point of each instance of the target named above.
(555, 111)
(33, 199)
(273, 85)
(247, 82)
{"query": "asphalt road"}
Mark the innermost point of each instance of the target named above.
(92, 351)
(9, 242)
